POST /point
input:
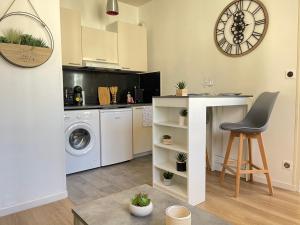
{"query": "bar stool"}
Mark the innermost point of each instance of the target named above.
(251, 127)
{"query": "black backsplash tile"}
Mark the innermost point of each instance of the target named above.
(91, 80)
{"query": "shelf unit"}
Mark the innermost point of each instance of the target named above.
(166, 122)
(190, 138)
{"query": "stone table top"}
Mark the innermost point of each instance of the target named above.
(114, 210)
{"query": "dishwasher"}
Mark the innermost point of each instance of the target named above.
(116, 135)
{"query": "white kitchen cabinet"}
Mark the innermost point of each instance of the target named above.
(71, 37)
(142, 136)
(99, 45)
(132, 46)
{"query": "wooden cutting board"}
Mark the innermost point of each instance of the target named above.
(104, 95)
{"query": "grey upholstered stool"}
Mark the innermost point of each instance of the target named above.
(252, 126)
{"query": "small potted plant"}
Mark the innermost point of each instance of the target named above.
(181, 162)
(168, 178)
(182, 117)
(141, 205)
(167, 140)
(181, 89)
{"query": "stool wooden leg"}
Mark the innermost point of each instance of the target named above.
(208, 167)
(250, 157)
(231, 137)
(238, 165)
(265, 163)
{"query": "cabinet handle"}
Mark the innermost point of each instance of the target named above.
(139, 107)
(126, 68)
(76, 64)
(101, 60)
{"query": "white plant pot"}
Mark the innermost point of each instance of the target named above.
(141, 211)
(167, 141)
(167, 182)
(181, 120)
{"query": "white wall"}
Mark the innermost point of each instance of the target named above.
(93, 12)
(181, 45)
(32, 164)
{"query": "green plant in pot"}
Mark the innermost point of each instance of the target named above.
(181, 89)
(182, 117)
(168, 176)
(167, 139)
(12, 36)
(141, 205)
(181, 162)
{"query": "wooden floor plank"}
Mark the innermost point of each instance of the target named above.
(253, 207)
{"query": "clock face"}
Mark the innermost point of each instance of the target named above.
(241, 27)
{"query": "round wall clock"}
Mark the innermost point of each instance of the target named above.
(241, 27)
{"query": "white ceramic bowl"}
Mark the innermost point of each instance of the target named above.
(141, 211)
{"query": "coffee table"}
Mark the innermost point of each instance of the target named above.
(113, 210)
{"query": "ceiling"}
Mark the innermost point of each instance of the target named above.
(135, 2)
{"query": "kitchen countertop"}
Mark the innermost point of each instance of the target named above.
(205, 96)
(112, 106)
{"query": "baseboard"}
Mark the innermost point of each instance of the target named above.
(31, 204)
(276, 183)
(142, 154)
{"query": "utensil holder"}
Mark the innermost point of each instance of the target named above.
(114, 98)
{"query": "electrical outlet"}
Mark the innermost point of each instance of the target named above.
(290, 74)
(287, 165)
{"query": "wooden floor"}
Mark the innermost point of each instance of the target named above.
(253, 207)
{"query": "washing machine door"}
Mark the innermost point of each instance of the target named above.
(80, 139)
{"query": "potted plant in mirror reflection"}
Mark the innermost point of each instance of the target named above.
(141, 205)
(182, 117)
(181, 162)
(181, 89)
(167, 140)
(168, 176)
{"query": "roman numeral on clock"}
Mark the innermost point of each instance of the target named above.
(256, 35)
(228, 13)
(249, 45)
(238, 50)
(220, 31)
(228, 48)
(239, 6)
(223, 22)
(260, 22)
(256, 10)
(222, 42)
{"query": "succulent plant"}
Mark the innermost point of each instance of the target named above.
(184, 112)
(3, 40)
(13, 36)
(168, 175)
(181, 157)
(181, 85)
(141, 200)
(28, 39)
(17, 37)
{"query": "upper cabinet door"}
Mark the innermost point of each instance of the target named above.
(71, 37)
(132, 46)
(99, 45)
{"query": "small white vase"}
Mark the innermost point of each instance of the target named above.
(181, 121)
(178, 215)
(141, 211)
(167, 182)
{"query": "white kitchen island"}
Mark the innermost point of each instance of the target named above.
(189, 138)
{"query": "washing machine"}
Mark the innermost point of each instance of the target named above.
(82, 140)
